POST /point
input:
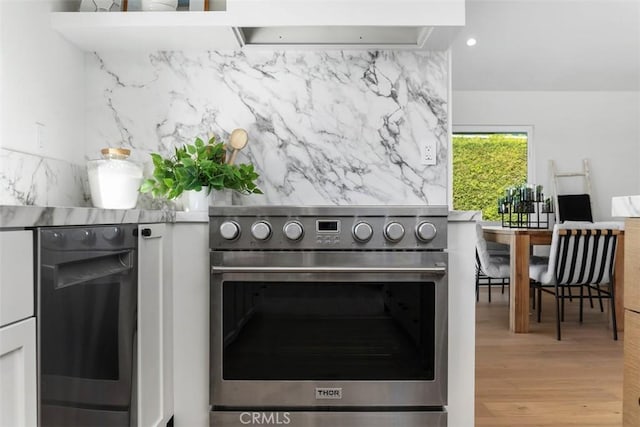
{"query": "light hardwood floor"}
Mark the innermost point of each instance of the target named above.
(534, 380)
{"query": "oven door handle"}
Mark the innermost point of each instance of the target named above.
(87, 270)
(326, 269)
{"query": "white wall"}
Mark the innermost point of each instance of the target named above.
(2, 44)
(42, 82)
(567, 127)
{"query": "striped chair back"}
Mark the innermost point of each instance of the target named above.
(585, 255)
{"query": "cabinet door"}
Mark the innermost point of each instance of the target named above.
(631, 264)
(631, 388)
(191, 323)
(16, 276)
(18, 399)
(155, 353)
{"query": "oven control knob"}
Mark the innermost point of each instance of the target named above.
(362, 232)
(112, 234)
(425, 231)
(54, 238)
(83, 236)
(261, 230)
(229, 230)
(293, 230)
(394, 232)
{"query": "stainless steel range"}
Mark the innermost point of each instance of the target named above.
(328, 316)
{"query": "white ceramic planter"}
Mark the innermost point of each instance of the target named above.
(159, 5)
(197, 200)
(200, 201)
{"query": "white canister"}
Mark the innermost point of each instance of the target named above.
(114, 180)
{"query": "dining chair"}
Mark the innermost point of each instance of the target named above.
(489, 267)
(582, 256)
(484, 280)
(576, 207)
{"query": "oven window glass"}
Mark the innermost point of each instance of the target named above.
(80, 329)
(328, 331)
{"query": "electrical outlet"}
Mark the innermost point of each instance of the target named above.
(40, 135)
(429, 153)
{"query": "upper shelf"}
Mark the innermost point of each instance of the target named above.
(272, 23)
(146, 31)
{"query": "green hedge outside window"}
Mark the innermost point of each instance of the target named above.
(483, 166)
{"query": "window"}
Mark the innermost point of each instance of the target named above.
(484, 164)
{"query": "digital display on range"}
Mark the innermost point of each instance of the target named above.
(328, 226)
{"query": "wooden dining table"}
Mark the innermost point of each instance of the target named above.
(520, 241)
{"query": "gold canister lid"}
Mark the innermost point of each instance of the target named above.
(116, 152)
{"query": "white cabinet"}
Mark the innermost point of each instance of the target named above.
(191, 323)
(173, 311)
(16, 276)
(155, 326)
(462, 316)
(18, 399)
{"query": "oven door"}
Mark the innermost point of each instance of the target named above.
(328, 329)
(87, 321)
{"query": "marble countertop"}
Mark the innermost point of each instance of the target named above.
(465, 216)
(41, 216)
(625, 206)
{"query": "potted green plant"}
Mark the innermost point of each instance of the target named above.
(198, 167)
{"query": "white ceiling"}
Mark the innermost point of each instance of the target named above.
(537, 45)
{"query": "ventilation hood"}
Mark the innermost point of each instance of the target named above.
(346, 24)
(335, 36)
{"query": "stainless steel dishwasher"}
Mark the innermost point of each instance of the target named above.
(87, 308)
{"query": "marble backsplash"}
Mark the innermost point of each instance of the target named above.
(325, 127)
(27, 179)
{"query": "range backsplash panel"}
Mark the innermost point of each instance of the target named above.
(325, 127)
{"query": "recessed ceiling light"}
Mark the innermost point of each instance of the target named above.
(471, 41)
